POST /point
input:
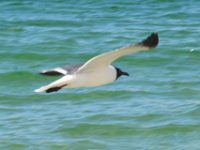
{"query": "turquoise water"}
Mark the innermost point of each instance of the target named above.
(157, 107)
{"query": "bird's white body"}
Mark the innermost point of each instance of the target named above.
(101, 76)
(90, 79)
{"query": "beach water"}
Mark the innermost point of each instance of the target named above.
(156, 108)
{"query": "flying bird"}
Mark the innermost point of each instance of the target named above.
(97, 70)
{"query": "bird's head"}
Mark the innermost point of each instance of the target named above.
(120, 73)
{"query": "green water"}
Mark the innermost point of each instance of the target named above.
(156, 108)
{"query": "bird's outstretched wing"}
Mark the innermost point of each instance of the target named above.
(107, 58)
(65, 70)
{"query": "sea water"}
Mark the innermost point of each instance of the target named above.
(156, 108)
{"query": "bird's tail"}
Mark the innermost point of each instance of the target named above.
(48, 89)
(55, 86)
(41, 89)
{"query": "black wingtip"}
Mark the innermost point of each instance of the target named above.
(151, 41)
(50, 73)
(54, 89)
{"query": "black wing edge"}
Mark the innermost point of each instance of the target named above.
(51, 73)
(55, 89)
(151, 41)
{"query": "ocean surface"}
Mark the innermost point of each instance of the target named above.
(156, 108)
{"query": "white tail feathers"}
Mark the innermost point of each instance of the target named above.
(56, 85)
(42, 89)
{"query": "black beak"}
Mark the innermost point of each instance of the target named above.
(125, 73)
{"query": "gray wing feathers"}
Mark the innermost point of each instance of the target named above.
(65, 70)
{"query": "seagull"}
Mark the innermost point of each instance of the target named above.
(97, 70)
